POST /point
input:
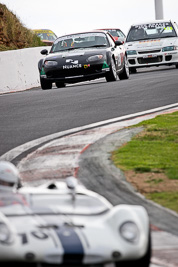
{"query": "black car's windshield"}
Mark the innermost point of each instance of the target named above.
(77, 41)
(151, 31)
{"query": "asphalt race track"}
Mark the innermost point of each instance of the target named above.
(26, 116)
(31, 114)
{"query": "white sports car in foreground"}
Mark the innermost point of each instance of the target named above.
(64, 224)
(152, 43)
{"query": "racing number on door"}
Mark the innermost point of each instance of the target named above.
(37, 234)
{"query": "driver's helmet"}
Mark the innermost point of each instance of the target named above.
(69, 42)
(9, 176)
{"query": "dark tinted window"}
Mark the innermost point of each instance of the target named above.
(151, 31)
(117, 33)
(77, 41)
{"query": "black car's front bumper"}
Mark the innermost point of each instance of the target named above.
(71, 75)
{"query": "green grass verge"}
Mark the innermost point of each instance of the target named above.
(166, 199)
(153, 150)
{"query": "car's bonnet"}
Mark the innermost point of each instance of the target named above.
(153, 43)
(76, 52)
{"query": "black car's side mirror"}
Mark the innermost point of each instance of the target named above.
(44, 52)
(118, 43)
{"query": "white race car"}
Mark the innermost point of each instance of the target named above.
(152, 43)
(63, 223)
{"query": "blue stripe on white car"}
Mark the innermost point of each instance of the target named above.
(72, 245)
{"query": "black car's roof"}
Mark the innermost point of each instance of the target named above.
(92, 31)
(110, 29)
(75, 33)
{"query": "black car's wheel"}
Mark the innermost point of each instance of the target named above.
(60, 85)
(132, 70)
(176, 66)
(125, 73)
(143, 262)
(112, 75)
(45, 85)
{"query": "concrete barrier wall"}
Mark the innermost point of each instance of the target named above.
(19, 69)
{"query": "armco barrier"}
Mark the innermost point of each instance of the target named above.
(19, 69)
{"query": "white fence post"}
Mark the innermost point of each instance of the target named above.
(159, 9)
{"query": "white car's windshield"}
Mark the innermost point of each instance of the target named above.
(14, 203)
(151, 31)
(77, 41)
(64, 203)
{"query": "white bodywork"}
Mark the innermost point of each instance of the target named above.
(154, 47)
(60, 225)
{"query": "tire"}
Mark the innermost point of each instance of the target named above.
(176, 66)
(143, 262)
(40, 65)
(60, 85)
(45, 85)
(112, 75)
(132, 70)
(125, 73)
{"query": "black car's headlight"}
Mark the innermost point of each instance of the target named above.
(5, 234)
(129, 231)
(95, 58)
(50, 63)
(169, 48)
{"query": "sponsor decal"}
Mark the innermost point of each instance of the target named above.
(86, 66)
(168, 28)
(42, 72)
(122, 57)
(152, 25)
(148, 56)
(105, 65)
(149, 41)
(71, 61)
(72, 66)
(171, 53)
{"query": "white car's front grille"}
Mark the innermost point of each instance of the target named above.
(149, 51)
(150, 60)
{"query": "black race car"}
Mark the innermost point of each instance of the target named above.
(81, 57)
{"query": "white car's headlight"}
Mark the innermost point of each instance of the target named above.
(95, 58)
(50, 63)
(131, 52)
(169, 48)
(5, 234)
(129, 231)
